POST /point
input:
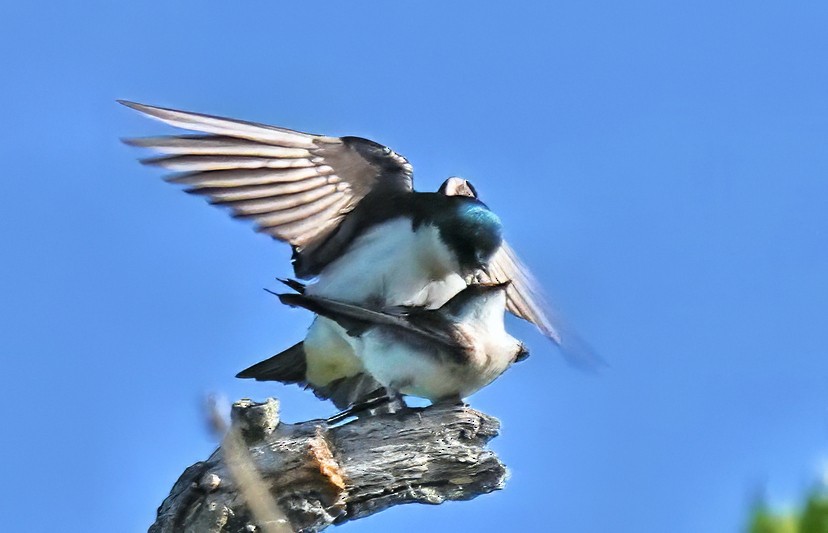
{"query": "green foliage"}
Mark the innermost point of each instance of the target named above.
(813, 518)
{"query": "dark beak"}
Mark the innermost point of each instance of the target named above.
(523, 353)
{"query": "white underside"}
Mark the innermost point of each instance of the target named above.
(410, 369)
(392, 265)
(387, 266)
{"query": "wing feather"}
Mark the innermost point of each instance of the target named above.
(215, 145)
(295, 231)
(347, 314)
(196, 163)
(295, 186)
(245, 208)
(525, 300)
(230, 127)
(301, 212)
(241, 178)
(225, 192)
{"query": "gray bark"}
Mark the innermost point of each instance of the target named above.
(312, 474)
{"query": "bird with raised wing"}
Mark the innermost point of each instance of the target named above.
(357, 228)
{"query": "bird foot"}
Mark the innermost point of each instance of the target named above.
(385, 404)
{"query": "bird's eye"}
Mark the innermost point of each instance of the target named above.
(386, 150)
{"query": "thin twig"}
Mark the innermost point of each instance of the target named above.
(251, 486)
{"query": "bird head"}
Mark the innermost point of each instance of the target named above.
(472, 231)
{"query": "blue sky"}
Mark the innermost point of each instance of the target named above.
(661, 166)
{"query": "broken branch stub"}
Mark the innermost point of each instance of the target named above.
(318, 475)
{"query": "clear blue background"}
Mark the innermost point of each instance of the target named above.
(661, 167)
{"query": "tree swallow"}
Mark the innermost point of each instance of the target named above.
(347, 207)
(439, 354)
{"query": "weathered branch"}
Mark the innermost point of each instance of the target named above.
(320, 475)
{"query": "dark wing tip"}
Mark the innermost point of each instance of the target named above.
(152, 110)
(298, 286)
(131, 141)
(158, 161)
(579, 354)
(132, 105)
(292, 300)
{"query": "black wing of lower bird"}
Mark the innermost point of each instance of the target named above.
(356, 319)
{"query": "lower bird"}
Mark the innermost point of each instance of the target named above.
(439, 354)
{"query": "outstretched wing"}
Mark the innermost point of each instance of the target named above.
(297, 187)
(525, 300)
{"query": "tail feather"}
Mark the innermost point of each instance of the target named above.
(289, 366)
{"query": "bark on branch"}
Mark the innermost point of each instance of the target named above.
(318, 475)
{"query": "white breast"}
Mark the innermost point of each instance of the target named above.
(408, 370)
(425, 372)
(392, 265)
